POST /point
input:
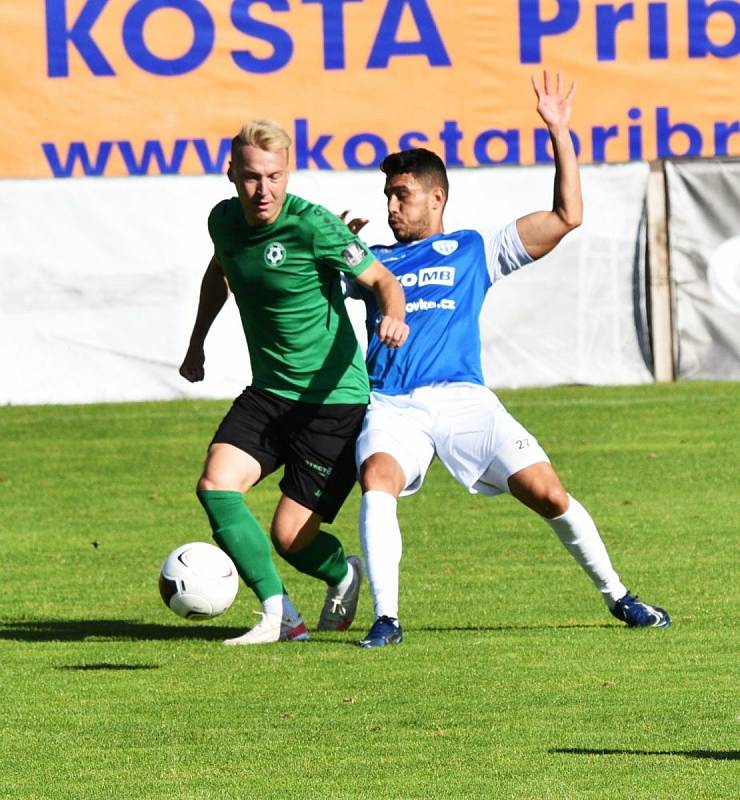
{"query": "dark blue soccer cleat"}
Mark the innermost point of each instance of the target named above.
(636, 614)
(385, 630)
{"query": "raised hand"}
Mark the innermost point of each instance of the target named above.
(552, 105)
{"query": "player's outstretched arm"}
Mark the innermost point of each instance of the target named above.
(542, 230)
(392, 330)
(214, 292)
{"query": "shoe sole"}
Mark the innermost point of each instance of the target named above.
(368, 644)
(297, 634)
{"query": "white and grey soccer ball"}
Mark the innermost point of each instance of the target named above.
(198, 581)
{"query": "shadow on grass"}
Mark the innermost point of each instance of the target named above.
(489, 628)
(716, 755)
(77, 630)
(107, 666)
(80, 630)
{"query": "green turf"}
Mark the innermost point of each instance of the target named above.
(513, 681)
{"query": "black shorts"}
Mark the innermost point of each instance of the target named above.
(315, 442)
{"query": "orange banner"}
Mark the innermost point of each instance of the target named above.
(132, 87)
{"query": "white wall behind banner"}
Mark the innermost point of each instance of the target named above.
(100, 282)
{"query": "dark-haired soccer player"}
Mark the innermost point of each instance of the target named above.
(282, 256)
(429, 398)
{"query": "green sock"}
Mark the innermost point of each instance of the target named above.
(239, 534)
(323, 559)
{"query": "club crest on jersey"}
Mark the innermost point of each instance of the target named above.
(353, 254)
(275, 254)
(445, 247)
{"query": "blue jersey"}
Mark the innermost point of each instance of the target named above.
(445, 278)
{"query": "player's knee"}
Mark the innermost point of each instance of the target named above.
(284, 542)
(206, 484)
(292, 536)
(217, 481)
(553, 500)
(381, 473)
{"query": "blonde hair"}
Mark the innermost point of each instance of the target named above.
(262, 133)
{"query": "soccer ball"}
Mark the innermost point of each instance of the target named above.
(198, 581)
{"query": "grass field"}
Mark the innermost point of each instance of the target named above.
(513, 680)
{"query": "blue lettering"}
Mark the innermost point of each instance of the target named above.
(58, 35)
(599, 137)
(305, 153)
(153, 151)
(212, 166)
(510, 138)
(282, 44)
(634, 135)
(332, 13)
(532, 28)
(607, 20)
(658, 27)
(665, 131)
(429, 44)
(139, 53)
(700, 45)
(380, 150)
(722, 133)
(451, 135)
(412, 140)
(543, 149)
(77, 153)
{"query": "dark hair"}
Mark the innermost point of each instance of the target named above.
(423, 164)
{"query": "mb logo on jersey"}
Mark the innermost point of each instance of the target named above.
(429, 276)
(275, 254)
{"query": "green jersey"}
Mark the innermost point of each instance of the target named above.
(285, 279)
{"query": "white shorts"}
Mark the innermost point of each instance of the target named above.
(463, 424)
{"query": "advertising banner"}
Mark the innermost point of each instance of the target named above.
(145, 87)
(704, 242)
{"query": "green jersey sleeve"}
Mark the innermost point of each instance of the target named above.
(335, 245)
(220, 220)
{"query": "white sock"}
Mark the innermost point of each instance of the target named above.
(273, 606)
(578, 533)
(346, 581)
(380, 537)
(280, 605)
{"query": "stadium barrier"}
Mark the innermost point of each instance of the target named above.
(101, 278)
(704, 256)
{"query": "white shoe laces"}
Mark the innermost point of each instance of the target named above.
(337, 606)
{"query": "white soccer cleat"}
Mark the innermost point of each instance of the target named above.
(339, 610)
(272, 628)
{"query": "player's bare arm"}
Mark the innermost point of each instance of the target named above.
(392, 330)
(541, 231)
(214, 291)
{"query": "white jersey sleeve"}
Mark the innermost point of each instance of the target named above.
(505, 252)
